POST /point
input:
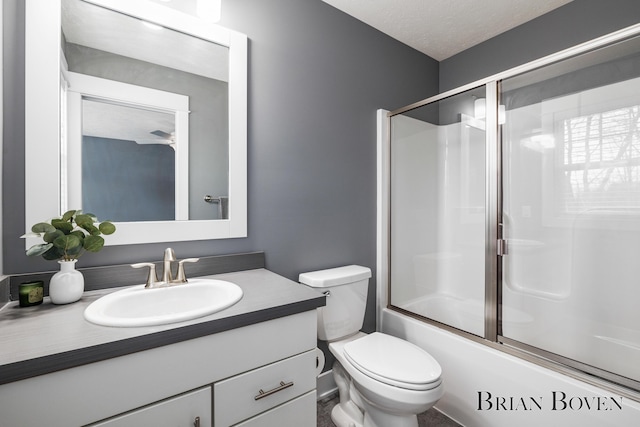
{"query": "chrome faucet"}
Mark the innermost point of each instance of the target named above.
(167, 275)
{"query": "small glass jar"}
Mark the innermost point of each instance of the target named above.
(31, 293)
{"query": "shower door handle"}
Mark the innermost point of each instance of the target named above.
(502, 248)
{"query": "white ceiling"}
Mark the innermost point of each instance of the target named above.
(442, 28)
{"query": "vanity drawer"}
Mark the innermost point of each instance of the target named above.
(300, 412)
(178, 411)
(253, 392)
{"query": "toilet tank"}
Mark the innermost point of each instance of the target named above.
(346, 289)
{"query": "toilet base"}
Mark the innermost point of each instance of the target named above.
(354, 410)
(342, 415)
(374, 417)
(346, 413)
(349, 415)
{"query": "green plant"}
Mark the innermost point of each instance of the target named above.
(68, 237)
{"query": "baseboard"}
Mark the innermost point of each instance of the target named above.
(325, 385)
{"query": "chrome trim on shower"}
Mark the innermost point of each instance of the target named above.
(491, 213)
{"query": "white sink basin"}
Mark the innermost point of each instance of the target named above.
(138, 306)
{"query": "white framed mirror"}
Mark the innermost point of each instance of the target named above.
(58, 101)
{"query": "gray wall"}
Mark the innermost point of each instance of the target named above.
(316, 78)
(126, 181)
(567, 26)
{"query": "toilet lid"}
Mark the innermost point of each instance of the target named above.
(393, 361)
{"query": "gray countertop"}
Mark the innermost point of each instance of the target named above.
(47, 338)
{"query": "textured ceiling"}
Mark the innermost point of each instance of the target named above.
(442, 28)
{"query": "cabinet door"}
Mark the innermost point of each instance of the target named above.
(180, 411)
(300, 412)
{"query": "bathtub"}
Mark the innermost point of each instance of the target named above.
(485, 387)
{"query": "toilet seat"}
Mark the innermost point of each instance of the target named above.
(393, 361)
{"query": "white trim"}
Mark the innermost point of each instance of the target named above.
(71, 155)
(123, 92)
(42, 121)
(238, 95)
(81, 85)
(382, 216)
(181, 145)
(42, 111)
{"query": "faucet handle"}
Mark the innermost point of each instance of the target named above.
(152, 278)
(181, 277)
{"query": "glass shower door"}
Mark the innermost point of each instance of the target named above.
(437, 213)
(571, 211)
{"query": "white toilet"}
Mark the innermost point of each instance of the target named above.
(383, 381)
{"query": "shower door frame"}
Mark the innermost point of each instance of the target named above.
(495, 248)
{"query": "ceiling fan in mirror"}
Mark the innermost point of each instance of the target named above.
(163, 138)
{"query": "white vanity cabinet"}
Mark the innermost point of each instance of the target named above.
(214, 377)
(272, 395)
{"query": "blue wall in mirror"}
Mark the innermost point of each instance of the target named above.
(124, 181)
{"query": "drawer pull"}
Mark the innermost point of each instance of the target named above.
(282, 386)
(196, 422)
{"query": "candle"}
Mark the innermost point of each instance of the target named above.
(31, 293)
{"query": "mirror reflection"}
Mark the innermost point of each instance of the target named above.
(128, 163)
(120, 170)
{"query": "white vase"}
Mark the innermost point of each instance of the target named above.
(67, 285)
